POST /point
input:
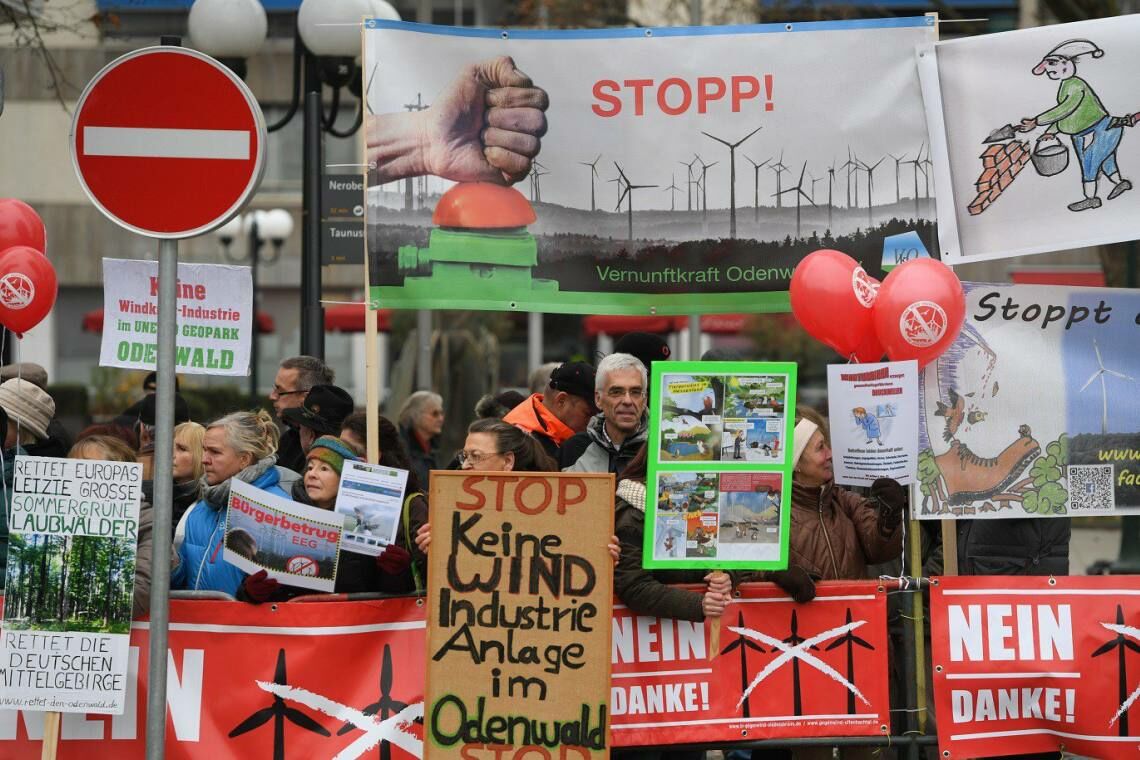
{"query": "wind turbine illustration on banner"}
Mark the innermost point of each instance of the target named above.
(830, 189)
(851, 640)
(703, 185)
(1100, 372)
(800, 194)
(851, 165)
(778, 168)
(870, 169)
(672, 190)
(756, 167)
(536, 171)
(732, 175)
(279, 712)
(916, 162)
(692, 178)
(898, 163)
(593, 176)
(627, 193)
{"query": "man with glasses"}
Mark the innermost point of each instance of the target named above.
(619, 430)
(295, 377)
(563, 408)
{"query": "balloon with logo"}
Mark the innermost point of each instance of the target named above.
(28, 288)
(919, 311)
(831, 297)
(21, 225)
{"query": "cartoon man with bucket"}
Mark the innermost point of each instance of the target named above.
(1080, 114)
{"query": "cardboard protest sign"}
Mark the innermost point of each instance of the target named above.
(297, 544)
(1035, 665)
(371, 498)
(873, 411)
(520, 587)
(989, 449)
(720, 464)
(215, 317)
(681, 170)
(1033, 138)
(73, 534)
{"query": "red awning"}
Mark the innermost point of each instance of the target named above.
(716, 324)
(349, 318)
(596, 324)
(1091, 277)
(93, 322)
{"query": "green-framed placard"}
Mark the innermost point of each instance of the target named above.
(720, 465)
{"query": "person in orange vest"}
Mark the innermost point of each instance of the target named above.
(563, 408)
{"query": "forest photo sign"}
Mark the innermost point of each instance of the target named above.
(71, 570)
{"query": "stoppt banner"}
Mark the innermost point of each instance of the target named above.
(520, 587)
(1035, 664)
(1070, 448)
(639, 171)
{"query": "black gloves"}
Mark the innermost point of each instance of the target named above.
(797, 582)
(891, 500)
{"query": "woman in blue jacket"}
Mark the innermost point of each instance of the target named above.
(242, 446)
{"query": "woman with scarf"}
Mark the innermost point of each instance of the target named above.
(241, 445)
(356, 573)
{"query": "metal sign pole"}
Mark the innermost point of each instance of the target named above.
(163, 494)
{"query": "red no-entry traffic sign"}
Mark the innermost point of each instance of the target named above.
(168, 142)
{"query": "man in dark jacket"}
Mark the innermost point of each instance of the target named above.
(618, 431)
(295, 378)
(1014, 547)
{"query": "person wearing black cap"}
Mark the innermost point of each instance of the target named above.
(645, 346)
(561, 410)
(322, 413)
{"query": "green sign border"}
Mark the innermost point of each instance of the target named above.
(657, 468)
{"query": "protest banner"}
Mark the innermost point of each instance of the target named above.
(297, 544)
(368, 657)
(214, 317)
(731, 153)
(1027, 128)
(520, 586)
(1035, 665)
(70, 575)
(990, 449)
(371, 499)
(873, 411)
(720, 464)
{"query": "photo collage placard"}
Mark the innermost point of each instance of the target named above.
(719, 464)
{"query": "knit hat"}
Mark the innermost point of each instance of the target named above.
(332, 451)
(805, 428)
(27, 405)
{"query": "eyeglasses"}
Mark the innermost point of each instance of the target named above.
(278, 392)
(474, 457)
(617, 393)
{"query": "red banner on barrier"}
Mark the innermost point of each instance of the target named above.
(783, 670)
(1035, 664)
(318, 679)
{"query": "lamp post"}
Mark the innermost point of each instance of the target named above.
(325, 47)
(259, 227)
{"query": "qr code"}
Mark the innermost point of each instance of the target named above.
(1091, 488)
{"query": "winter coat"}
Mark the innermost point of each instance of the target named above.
(423, 460)
(144, 557)
(602, 455)
(201, 565)
(1014, 547)
(290, 455)
(533, 417)
(645, 591)
(835, 533)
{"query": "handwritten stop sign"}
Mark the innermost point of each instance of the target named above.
(168, 142)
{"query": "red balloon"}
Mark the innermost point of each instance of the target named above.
(870, 350)
(27, 288)
(21, 225)
(920, 310)
(831, 298)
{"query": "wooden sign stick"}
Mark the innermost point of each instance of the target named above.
(51, 736)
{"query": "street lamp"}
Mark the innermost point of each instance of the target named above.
(327, 43)
(259, 228)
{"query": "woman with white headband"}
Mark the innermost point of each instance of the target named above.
(835, 533)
